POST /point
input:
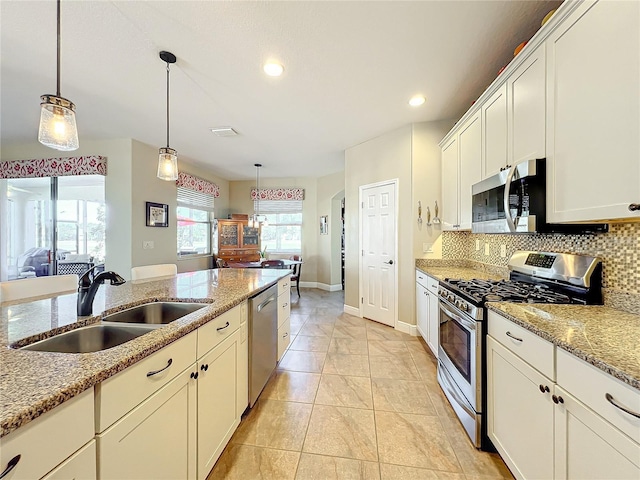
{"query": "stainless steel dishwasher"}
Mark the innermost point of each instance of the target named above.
(263, 340)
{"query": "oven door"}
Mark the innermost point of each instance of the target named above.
(459, 351)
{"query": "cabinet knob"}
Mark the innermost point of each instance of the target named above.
(204, 367)
(634, 207)
(557, 399)
(194, 375)
(543, 388)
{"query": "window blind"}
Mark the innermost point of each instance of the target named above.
(191, 198)
(278, 206)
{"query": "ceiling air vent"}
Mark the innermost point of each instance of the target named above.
(223, 131)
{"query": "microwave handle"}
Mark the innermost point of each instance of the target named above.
(507, 190)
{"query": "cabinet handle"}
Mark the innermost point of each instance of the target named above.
(10, 466)
(222, 328)
(194, 375)
(557, 399)
(204, 367)
(634, 207)
(515, 338)
(544, 388)
(613, 402)
(151, 374)
(285, 305)
(285, 335)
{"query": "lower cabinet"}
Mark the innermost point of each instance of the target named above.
(157, 439)
(218, 415)
(81, 465)
(427, 310)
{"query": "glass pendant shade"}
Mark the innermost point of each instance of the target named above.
(58, 123)
(168, 164)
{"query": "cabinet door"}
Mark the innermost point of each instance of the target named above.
(588, 447)
(593, 119)
(494, 127)
(218, 414)
(519, 415)
(157, 439)
(243, 367)
(229, 234)
(470, 168)
(434, 324)
(526, 94)
(422, 311)
(81, 465)
(449, 214)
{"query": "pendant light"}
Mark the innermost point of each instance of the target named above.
(256, 219)
(58, 115)
(168, 158)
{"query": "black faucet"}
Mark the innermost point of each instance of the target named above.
(87, 289)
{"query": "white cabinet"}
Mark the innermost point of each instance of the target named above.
(243, 360)
(427, 312)
(46, 442)
(593, 118)
(494, 129)
(519, 413)
(157, 439)
(284, 313)
(588, 447)
(461, 168)
(81, 465)
(218, 414)
(526, 90)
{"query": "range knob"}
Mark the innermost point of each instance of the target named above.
(464, 306)
(457, 304)
(450, 297)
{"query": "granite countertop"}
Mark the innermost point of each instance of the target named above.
(32, 383)
(463, 270)
(605, 337)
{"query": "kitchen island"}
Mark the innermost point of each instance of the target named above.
(32, 383)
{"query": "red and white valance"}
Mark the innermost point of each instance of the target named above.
(196, 184)
(53, 167)
(278, 194)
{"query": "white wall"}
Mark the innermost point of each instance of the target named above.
(330, 192)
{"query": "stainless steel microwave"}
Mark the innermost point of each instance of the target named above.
(514, 201)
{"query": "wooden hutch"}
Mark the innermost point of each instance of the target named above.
(237, 241)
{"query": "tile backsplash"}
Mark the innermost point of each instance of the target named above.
(619, 250)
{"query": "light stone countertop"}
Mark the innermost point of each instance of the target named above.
(460, 269)
(32, 383)
(605, 337)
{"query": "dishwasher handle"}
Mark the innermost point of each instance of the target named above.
(266, 302)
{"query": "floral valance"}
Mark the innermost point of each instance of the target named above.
(53, 167)
(196, 184)
(278, 194)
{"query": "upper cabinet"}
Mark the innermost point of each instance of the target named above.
(593, 108)
(238, 242)
(461, 166)
(572, 97)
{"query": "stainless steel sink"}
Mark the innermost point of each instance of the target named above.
(93, 338)
(156, 313)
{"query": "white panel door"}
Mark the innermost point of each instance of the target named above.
(378, 253)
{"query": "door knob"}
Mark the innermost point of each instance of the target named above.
(390, 262)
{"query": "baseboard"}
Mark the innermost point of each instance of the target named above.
(308, 284)
(407, 328)
(321, 286)
(352, 310)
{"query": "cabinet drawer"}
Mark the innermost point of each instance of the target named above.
(421, 278)
(122, 392)
(48, 440)
(212, 333)
(284, 337)
(534, 350)
(81, 465)
(432, 285)
(284, 307)
(284, 285)
(590, 385)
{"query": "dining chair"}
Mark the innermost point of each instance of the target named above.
(295, 271)
(37, 286)
(151, 271)
(273, 264)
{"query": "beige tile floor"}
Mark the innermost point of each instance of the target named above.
(352, 399)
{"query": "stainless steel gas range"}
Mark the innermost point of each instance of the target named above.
(535, 277)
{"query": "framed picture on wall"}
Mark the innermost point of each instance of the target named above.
(324, 225)
(157, 215)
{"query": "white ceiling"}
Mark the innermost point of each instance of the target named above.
(350, 68)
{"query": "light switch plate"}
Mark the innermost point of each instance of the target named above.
(503, 251)
(477, 245)
(147, 244)
(486, 249)
(427, 248)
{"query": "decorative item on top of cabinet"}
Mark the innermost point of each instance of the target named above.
(237, 241)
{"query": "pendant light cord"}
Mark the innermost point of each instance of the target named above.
(167, 104)
(58, 53)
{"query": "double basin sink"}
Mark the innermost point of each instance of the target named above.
(117, 328)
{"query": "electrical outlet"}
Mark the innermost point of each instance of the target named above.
(427, 248)
(477, 245)
(147, 244)
(503, 251)
(486, 249)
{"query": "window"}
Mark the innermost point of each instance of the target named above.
(283, 234)
(195, 221)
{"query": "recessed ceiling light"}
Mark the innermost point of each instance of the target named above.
(273, 69)
(223, 131)
(417, 100)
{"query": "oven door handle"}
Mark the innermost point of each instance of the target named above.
(464, 404)
(507, 206)
(469, 325)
